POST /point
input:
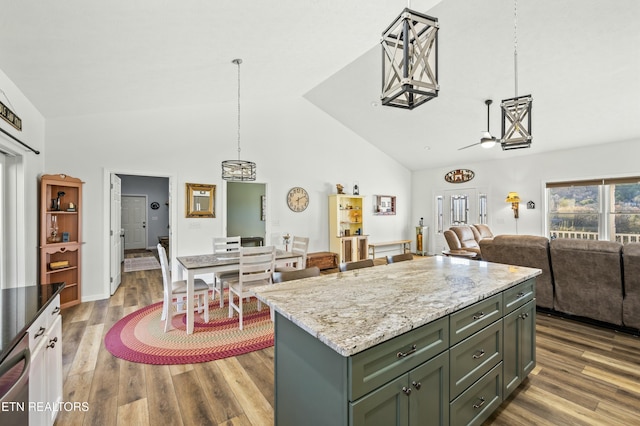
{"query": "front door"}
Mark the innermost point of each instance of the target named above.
(134, 221)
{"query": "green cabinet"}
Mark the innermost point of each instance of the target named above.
(418, 397)
(519, 345)
(454, 370)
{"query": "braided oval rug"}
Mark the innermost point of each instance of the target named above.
(140, 337)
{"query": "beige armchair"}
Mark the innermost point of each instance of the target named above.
(467, 237)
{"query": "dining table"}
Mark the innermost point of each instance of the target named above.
(201, 264)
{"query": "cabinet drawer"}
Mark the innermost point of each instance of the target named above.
(478, 402)
(39, 327)
(473, 357)
(378, 365)
(471, 319)
(518, 295)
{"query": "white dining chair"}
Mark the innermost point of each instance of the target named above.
(175, 294)
(299, 245)
(256, 268)
(224, 245)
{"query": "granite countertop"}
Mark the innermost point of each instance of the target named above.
(355, 310)
(19, 307)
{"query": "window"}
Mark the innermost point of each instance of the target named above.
(624, 220)
(605, 209)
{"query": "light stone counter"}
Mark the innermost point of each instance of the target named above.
(355, 310)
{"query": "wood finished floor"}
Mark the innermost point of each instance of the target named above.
(585, 375)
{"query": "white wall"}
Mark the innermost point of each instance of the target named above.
(24, 270)
(526, 175)
(292, 142)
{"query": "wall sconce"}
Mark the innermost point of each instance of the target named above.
(514, 199)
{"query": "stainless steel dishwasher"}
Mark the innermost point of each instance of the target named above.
(14, 384)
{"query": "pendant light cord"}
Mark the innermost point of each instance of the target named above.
(238, 62)
(515, 43)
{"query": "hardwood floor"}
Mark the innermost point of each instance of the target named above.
(585, 375)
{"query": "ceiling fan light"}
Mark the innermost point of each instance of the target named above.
(488, 143)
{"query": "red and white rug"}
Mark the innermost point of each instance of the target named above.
(140, 337)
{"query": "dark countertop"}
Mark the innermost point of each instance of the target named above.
(19, 307)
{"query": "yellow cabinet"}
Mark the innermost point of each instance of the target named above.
(347, 236)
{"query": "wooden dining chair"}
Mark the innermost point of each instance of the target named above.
(175, 293)
(358, 264)
(282, 276)
(300, 246)
(399, 257)
(224, 245)
(256, 268)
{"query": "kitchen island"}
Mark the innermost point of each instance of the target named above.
(430, 341)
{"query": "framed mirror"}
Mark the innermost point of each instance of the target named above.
(200, 200)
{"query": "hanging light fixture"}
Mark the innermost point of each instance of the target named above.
(516, 111)
(238, 170)
(410, 60)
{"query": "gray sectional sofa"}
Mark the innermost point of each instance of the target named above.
(598, 280)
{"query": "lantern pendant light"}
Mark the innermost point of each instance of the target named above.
(410, 60)
(516, 111)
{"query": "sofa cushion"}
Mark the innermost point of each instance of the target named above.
(483, 231)
(588, 278)
(466, 236)
(523, 250)
(452, 240)
(631, 302)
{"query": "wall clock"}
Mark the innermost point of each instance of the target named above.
(298, 199)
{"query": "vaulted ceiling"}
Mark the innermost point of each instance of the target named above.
(579, 59)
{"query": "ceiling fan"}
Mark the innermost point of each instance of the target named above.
(486, 141)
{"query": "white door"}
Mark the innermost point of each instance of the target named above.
(134, 221)
(114, 235)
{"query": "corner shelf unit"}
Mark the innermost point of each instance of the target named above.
(61, 235)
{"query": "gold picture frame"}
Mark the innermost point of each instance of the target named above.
(200, 200)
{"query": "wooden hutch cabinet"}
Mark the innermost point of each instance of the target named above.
(346, 227)
(61, 235)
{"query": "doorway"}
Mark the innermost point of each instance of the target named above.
(153, 213)
(245, 210)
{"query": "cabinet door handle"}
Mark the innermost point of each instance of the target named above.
(479, 404)
(39, 333)
(478, 316)
(409, 352)
(56, 310)
(524, 315)
(479, 354)
(52, 342)
(417, 385)
(406, 390)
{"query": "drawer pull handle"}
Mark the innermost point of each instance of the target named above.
(407, 391)
(417, 385)
(52, 342)
(39, 333)
(404, 354)
(479, 354)
(478, 316)
(56, 310)
(479, 404)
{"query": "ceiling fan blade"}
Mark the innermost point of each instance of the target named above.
(468, 146)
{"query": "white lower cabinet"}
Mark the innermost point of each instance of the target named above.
(45, 374)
